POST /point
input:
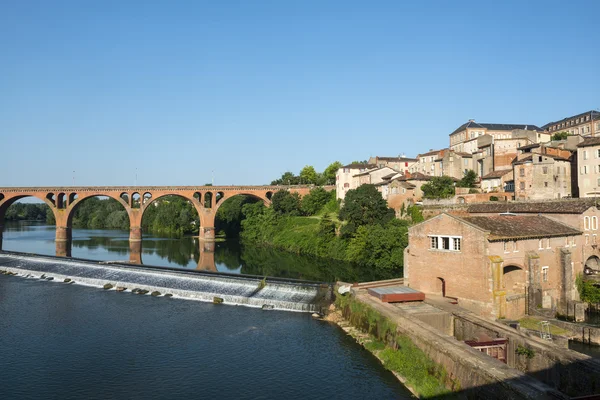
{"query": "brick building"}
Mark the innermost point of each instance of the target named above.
(494, 264)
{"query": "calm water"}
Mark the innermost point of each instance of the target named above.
(72, 342)
(113, 245)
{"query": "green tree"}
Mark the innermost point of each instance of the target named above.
(314, 201)
(468, 180)
(364, 206)
(284, 202)
(560, 136)
(326, 227)
(380, 247)
(331, 172)
(308, 175)
(439, 187)
(287, 178)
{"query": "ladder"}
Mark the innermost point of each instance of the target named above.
(545, 330)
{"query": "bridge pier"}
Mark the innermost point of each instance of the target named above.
(207, 233)
(63, 241)
(135, 252)
(206, 262)
(1, 232)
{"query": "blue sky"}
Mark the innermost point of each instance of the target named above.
(250, 89)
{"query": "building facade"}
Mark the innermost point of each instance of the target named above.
(495, 266)
(541, 176)
(588, 167)
(585, 124)
(400, 164)
(344, 179)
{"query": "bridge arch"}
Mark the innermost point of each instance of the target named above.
(266, 200)
(7, 200)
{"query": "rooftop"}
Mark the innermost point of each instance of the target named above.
(359, 165)
(575, 206)
(497, 174)
(529, 157)
(496, 127)
(513, 227)
(400, 159)
(593, 141)
(594, 115)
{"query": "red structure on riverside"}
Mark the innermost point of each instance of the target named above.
(135, 200)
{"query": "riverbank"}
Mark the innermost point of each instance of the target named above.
(398, 336)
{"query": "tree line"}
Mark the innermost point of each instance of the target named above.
(363, 231)
(309, 176)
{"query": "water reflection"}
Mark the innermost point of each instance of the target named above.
(186, 252)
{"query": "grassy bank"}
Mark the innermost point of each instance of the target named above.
(396, 351)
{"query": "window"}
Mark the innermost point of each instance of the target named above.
(515, 248)
(346, 185)
(456, 243)
(522, 185)
(587, 239)
(585, 154)
(448, 243)
(545, 184)
(586, 223)
(545, 274)
(598, 152)
(548, 243)
(594, 223)
(506, 247)
(541, 244)
(545, 170)
(522, 172)
(573, 241)
(566, 242)
(594, 239)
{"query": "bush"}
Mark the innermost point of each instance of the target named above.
(493, 198)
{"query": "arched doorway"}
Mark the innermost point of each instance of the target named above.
(514, 280)
(592, 266)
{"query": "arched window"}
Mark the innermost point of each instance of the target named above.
(586, 223)
(594, 223)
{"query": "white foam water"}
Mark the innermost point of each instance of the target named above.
(271, 293)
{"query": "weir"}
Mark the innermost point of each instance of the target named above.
(244, 290)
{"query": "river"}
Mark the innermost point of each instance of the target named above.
(71, 342)
(229, 256)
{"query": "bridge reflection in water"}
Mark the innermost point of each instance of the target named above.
(63, 201)
(206, 261)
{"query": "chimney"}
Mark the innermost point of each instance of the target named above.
(471, 120)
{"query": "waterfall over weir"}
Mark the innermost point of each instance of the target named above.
(250, 291)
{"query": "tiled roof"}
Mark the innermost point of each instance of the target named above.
(399, 159)
(529, 146)
(497, 174)
(593, 141)
(578, 206)
(513, 227)
(496, 127)
(359, 165)
(390, 176)
(430, 153)
(595, 115)
(463, 155)
(530, 157)
(417, 176)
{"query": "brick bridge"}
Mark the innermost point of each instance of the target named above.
(135, 200)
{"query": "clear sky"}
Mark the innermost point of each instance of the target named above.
(250, 89)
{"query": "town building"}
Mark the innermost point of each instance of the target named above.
(425, 163)
(541, 176)
(417, 180)
(453, 164)
(497, 266)
(344, 179)
(397, 192)
(400, 164)
(465, 137)
(588, 167)
(584, 124)
(498, 181)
